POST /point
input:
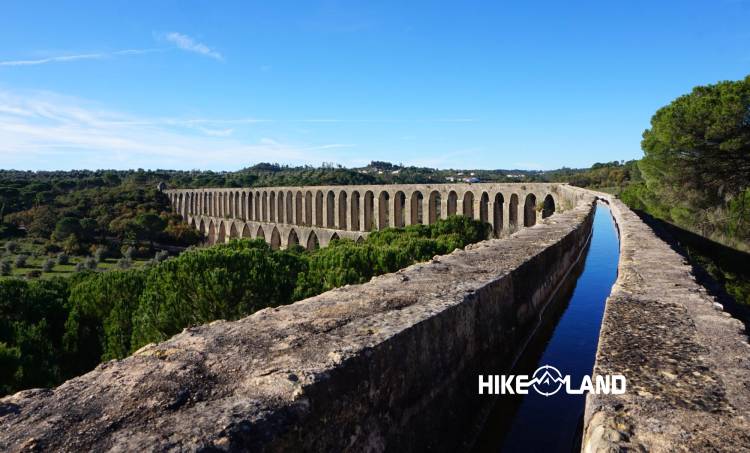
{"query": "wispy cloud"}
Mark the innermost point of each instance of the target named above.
(84, 56)
(189, 44)
(43, 130)
(216, 132)
(178, 40)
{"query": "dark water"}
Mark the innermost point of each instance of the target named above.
(567, 340)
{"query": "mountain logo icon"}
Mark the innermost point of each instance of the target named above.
(547, 380)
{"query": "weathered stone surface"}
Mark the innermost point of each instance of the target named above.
(388, 364)
(686, 361)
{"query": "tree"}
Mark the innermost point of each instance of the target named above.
(67, 227)
(151, 226)
(48, 265)
(5, 267)
(697, 155)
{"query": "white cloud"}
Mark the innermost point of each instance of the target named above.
(69, 58)
(44, 130)
(216, 132)
(185, 42)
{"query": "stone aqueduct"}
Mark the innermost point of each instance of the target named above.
(312, 216)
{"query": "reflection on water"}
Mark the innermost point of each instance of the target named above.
(567, 340)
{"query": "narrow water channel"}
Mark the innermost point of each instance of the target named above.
(566, 340)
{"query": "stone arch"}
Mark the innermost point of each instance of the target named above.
(237, 206)
(258, 205)
(230, 198)
(342, 211)
(433, 209)
(280, 207)
(468, 204)
(452, 202)
(250, 207)
(312, 241)
(204, 205)
(529, 210)
(417, 201)
(484, 202)
(354, 208)
(360, 240)
(513, 212)
(330, 209)
(243, 206)
(275, 239)
(202, 228)
(272, 206)
(221, 233)
(383, 214)
(399, 209)
(246, 232)
(293, 239)
(260, 234)
(264, 207)
(308, 208)
(298, 214)
(318, 208)
(548, 206)
(211, 232)
(233, 234)
(369, 214)
(497, 209)
(289, 208)
(192, 222)
(334, 237)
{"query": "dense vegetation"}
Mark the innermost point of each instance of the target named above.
(51, 330)
(696, 167)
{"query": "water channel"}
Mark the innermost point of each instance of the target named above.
(567, 340)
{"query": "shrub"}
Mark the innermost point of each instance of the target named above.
(51, 247)
(124, 263)
(128, 253)
(161, 255)
(11, 246)
(21, 260)
(80, 267)
(100, 254)
(34, 273)
(48, 265)
(91, 263)
(63, 259)
(5, 267)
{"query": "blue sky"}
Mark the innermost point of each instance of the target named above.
(224, 85)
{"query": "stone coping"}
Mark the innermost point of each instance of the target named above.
(687, 362)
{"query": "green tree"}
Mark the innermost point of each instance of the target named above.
(697, 157)
(221, 282)
(151, 226)
(67, 227)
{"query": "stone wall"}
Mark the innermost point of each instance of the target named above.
(390, 364)
(686, 360)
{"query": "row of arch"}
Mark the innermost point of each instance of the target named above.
(366, 210)
(221, 231)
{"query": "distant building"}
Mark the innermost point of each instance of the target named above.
(161, 187)
(471, 180)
